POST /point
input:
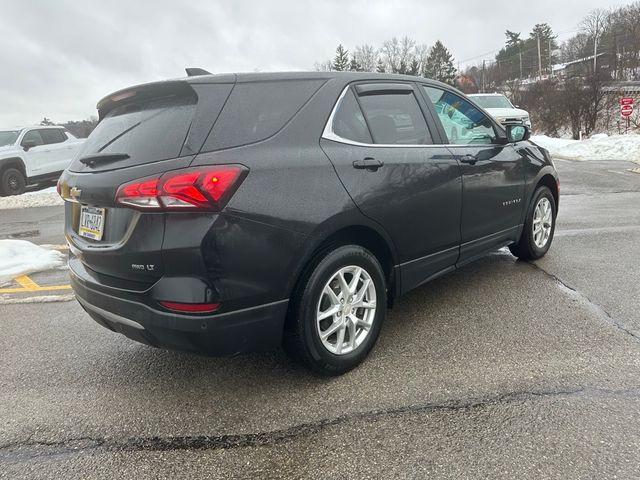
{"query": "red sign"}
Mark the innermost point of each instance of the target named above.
(626, 101)
(626, 110)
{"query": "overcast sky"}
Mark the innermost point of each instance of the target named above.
(58, 58)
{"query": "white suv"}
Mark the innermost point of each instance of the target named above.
(500, 108)
(33, 155)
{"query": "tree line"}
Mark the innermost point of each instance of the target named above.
(612, 36)
(402, 56)
(78, 128)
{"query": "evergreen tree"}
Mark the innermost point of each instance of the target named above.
(440, 64)
(380, 66)
(341, 60)
(508, 58)
(513, 38)
(355, 66)
(414, 68)
(547, 39)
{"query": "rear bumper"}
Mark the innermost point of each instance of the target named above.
(250, 329)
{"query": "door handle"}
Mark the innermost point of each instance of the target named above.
(368, 163)
(470, 159)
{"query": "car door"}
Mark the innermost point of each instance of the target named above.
(34, 152)
(58, 151)
(493, 174)
(384, 152)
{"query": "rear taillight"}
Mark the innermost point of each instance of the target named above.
(201, 188)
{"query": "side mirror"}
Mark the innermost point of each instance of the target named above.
(27, 144)
(517, 133)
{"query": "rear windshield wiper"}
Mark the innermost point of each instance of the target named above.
(95, 158)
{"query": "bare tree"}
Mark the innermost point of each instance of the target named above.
(575, 48)
(407, 51)
(367, 57)
(593, 25)
(323, 66)
(422, 53)
(390, 53)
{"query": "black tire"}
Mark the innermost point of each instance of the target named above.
(526, 248)
(302, 338)
(12, 182)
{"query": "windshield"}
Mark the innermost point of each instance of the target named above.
(492, 101)
(8, 137)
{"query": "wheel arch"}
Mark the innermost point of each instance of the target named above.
(335, 233)
(13, 162)
(550, 181)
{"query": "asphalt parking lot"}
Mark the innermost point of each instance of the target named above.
(504, 369)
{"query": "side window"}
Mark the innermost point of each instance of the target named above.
(348, 121)
(463, 123)
(34, 136)
(257, 110)
(52, 135)
(395, 118)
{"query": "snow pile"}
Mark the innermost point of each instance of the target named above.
(598, 147)
(37, 299)
(19, 257)
(42, 198)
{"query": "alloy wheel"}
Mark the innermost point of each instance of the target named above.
(346, 310)
(13, 183)
(542, 222)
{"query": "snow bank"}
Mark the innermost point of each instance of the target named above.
(41, 198)
(598, 147)
(37, 299)
(19, 257)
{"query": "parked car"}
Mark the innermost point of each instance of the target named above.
(232, 213)
(500, 108)
(32, 155)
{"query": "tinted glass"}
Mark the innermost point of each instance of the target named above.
(33, 135)
(258, 110)
(463, 123)
(348, 121)
(148, 130)
(50, 135)
(395, 119)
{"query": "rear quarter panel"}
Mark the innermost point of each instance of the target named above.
(283, 207)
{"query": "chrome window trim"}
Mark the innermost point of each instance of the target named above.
(328, 133)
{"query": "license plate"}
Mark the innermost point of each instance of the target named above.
(91, 222)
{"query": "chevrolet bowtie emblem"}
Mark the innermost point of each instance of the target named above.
(75, 192)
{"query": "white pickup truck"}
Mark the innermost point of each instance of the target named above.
(33, 155)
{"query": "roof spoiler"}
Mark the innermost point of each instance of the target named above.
(194, 72)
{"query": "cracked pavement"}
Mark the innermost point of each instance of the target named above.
(502, 369)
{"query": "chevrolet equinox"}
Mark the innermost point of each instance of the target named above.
(232, 213)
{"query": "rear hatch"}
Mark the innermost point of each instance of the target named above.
(143, 132)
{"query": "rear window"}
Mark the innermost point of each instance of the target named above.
(258, 110)
(148, 130)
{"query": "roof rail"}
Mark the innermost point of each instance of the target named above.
(194, 72)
